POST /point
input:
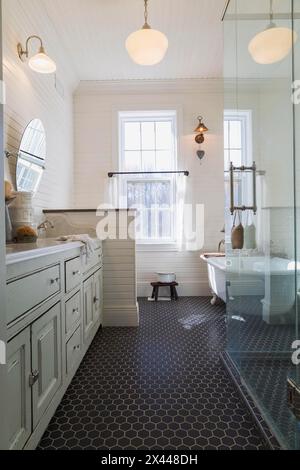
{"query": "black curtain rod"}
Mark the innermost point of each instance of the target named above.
(185, 173)
(31, 155)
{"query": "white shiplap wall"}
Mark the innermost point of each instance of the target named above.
(30, 95)
(96, 105)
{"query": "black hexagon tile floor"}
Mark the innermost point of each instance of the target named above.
(161, 386)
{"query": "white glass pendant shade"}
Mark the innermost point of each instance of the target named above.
(272, 45)
(147, 46)
(41, 63)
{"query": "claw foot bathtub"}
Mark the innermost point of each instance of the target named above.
(216, 266)
(270, 279)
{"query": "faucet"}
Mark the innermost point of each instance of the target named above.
(45, 225)
(222, 243)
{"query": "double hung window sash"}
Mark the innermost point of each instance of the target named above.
(148, 143)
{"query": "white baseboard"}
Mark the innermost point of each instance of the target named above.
(121, 316)
(185, 289)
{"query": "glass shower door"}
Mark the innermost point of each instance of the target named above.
(261, 268)
(295, 375)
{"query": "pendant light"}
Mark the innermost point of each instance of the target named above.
(273, 44)
(147, 46)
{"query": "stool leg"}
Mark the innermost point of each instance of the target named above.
(172, 293)
(176, 294)
(153, 293)
(156, 293)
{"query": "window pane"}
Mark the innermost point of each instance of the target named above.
(164, 161)
(165, 223)
(163, 194)
(132, 161)
(132, 136)
(235, 134)
(153, 199)
(236, 157)
(164, 136)
(148, 161)
(148, 135)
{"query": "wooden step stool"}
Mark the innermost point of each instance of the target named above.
(157, 285)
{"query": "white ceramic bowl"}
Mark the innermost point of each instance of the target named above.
(166, 277)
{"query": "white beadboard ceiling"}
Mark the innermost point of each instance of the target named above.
(93, 33)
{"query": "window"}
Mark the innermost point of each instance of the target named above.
(238, 150)
(148, 144)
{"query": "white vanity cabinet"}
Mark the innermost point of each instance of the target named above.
(92, 302)
(98, 296)
(48, 339)
(19, 392)
(46, 361)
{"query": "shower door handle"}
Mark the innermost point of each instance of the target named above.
(232, 170)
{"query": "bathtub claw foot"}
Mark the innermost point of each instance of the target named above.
(214, 300)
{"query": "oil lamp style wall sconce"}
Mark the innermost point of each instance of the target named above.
(200, 131)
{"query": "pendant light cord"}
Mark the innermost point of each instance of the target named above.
(271, 11)
(146, 12)
(146, 25)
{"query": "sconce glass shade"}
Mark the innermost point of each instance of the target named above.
(201, 128)
(147, 46)
(42, 63)
(272, 45)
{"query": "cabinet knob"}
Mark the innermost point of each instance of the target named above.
(96, 300)
(33, 378)
(76, 273)
(75, 310)
(54, 281)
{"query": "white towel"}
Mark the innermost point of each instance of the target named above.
(90, 244)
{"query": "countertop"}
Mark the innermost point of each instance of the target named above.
(16, 253)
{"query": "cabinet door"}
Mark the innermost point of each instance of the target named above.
(19, 392)
(88, 306)
(46, 361)
(98, 296)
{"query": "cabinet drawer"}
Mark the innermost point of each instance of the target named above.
(73, 274)
(73, 312)
(28, 292)
(73, 350)
(94, 260)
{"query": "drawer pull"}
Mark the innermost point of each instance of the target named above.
(33, 378)
(75, 310)
(76, 348)
(76, 273)
(54, 281)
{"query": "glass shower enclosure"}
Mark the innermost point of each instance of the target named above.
(262, 179)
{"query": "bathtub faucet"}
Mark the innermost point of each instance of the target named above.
(222, 243)
(45, 225)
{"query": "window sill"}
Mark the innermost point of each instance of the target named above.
(152, 247)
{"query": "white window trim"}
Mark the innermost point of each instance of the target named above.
(159, 116)
(245, 116)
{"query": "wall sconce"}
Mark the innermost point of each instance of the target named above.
(40, 63)
(200, 130)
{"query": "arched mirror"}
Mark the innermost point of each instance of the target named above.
(31, 157)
